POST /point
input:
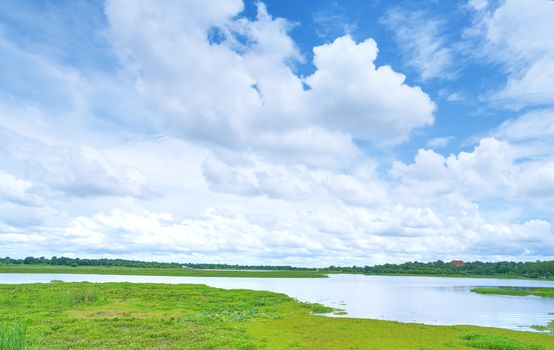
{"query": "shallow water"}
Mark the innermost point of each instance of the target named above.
(430, 300)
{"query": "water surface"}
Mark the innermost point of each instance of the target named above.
(430, 300)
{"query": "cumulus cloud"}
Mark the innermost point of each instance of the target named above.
(223, 232)
(493, 169)
(241, 93)
(353, 95)
(488, 170)
(331, 233)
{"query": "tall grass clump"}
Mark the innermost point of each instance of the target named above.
(12, 337)
(316, 308)
(78, 296)
(497, 342)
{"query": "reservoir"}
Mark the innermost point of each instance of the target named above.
(429, 300)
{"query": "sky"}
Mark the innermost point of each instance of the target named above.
(306, 133)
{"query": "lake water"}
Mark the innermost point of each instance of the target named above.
(430, 300)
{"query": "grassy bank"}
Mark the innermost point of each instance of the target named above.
(498, 276)
(540, 292)
(155, 316)
(105, 270)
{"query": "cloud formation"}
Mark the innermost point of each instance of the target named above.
(518, 35)
(241, 92)
(212, 136)
(423, 42)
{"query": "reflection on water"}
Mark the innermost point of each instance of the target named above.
(430, 300)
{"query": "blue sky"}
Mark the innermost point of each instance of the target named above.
(304, 133)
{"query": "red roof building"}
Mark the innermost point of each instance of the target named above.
(457, 263)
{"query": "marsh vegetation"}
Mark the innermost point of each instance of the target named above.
(12, 336)
(157, 271)
(155, 316)
(517, 291)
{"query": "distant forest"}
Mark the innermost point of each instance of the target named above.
(538, 269)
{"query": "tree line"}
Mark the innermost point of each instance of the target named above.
(65, 261)
(537, 269)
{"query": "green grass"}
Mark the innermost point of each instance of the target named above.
(454, 275)
(519, 291)
(548, 328)
(112, 270)
(496, 342)
(12, 337)
(162, 316)
(76, 297)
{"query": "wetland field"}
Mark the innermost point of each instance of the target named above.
(62, 315)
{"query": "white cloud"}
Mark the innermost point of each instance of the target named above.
(456, 97)
(537, 180)
(310, 237)
(222, 178)
(256, 177)
(488, 170)
(534, 125)
(313, 147)
(478, 4)
(438, 142)
(241, 93)
(353, 95)
(533, 134)
(85, 171)
(353, 191)
(75, 171)
(16, 190)
(226, 233)
(494, 169)
(423, 41)
(332, 20)
(29, 74)
(518, 35)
